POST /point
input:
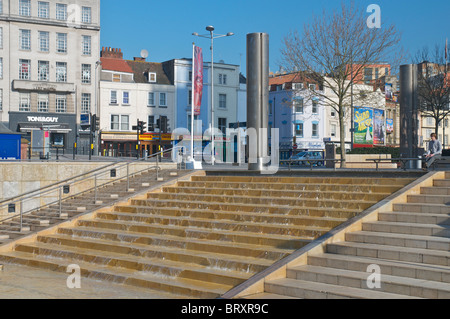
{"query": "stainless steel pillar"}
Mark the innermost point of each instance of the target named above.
(258, 96)
(409, 121)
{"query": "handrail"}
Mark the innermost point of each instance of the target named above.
(71, 181)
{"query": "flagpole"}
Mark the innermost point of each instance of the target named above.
(193, 101)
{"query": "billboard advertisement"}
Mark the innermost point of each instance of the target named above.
(379, 127)
(389, 126)
(363, 126)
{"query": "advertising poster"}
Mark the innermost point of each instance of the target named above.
(198, 80)
(389, 126)
(363, 126)
(379, 127)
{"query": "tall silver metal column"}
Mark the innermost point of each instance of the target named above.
(258, 97)
(409, 121)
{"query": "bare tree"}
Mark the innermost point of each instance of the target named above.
(434, 84)
(334, 49)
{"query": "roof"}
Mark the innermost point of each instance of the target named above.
(141, 70)
(287, 78)
(5, 130)
(118, 65)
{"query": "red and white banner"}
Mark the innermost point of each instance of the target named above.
(198, 80)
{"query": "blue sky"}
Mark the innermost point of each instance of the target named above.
(164, 28)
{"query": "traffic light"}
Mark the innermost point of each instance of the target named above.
(164, 124)
(141, 127)
(158, 124)
(95, 123)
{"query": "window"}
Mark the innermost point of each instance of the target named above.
(1, 6)
(190, 98)
(368, 75)
(86, 73)
(377, 73)
(298, 103)
(430, 121)
(151, 99)
(61, 42)
(86, 15)
(1, 68)
(85, 103)
(25, 39)
(333, 130)
(25, 8)
(162, 99)
(24, 102)
(298, 86)
(299, 129)
(312, 87)
(333, 113)
(44, 41)
(223, 101)
(223, 79)
(61, 72)
(315, 130)
(113, 97)
(24, 69)
(1, 100)
(151, 121)
(315, 107)
(61, 11)
(125, 123)
(43, 70)
(222, 125)
(190, 76)
(86, 45)
(43, 103)
(116, 78)
(43, 10)
(152, 77)
(115, 122)
(1, 38)
(126, 98)
(61, 103)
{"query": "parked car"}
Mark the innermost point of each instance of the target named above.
(302, 159)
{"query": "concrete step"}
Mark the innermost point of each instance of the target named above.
(262, 226)
(267, 296)
(236, 212)
(361, 205)
(320, 180)
(443, 191)
(422, 208)
(418, 218)
(293, 186)
(441, 182)
(241, 235)
(315, 290)
(191, 243)
(177, 286)
(425, 256)
(149, 265)
(388, 267)
(275, 193)
(235, 207)
(401, 240)
(273, 219)
(389, 284)
(171, 254)
(408, 228)
(429, 199)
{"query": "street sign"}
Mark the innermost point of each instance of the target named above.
(295, 146)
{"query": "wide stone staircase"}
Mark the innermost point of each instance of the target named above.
(410, 245)
(83, 203)
(202, 237)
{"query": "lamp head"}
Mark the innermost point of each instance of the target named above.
(230, 34)
(210, 28)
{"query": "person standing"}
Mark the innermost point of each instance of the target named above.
(434, 151)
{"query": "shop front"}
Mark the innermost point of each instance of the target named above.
(45, 131)
(124, 144)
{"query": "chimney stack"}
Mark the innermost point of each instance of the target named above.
(108, 52)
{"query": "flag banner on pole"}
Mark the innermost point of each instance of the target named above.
(198, 80)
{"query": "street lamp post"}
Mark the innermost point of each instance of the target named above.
(212, 37)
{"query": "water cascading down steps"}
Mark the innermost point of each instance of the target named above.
(202, 237)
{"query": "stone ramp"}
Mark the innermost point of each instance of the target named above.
(410, 243)
(201, 237)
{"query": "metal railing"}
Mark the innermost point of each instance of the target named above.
(81, 184)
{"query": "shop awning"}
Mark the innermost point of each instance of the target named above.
(53, 128)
